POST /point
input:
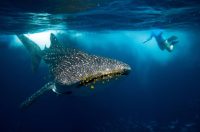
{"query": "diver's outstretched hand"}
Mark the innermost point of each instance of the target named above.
(148, 39)
(145, 41)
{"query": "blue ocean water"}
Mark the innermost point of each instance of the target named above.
(161, 94)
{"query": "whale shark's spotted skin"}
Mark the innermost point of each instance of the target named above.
(71, 68)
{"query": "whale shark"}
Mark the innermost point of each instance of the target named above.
(72, 70)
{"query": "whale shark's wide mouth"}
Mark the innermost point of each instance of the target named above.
(105, 76)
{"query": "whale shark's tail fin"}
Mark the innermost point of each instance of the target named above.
(33, 49)
(36, 95)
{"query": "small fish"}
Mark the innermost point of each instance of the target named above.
(71, 69)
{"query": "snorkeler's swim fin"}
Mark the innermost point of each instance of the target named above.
(172, 40)
(36, 95)
(33, 49)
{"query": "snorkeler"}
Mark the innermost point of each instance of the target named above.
(163, 43)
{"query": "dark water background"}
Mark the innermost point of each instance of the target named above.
(160, 95)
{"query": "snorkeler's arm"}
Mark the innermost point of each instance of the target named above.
(149, 38)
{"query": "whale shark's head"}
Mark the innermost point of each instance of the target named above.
(104, 69)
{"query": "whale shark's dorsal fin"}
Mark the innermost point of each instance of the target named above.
(45, 47)
(36, 95)
(54, 42)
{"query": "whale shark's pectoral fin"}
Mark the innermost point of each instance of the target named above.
(36, 95)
